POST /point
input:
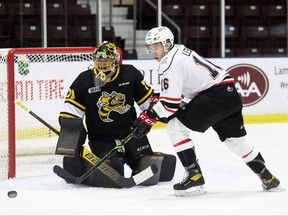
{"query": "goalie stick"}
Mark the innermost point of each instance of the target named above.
(150, 171)
(95, 161)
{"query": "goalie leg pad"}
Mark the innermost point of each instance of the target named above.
(147, 160)
(73, 165)
(102, 178)
(72, 136)
(168, 167)
(78, 166)
(166, 164)
(135, 149)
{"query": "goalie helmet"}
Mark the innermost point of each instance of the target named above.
(160, 34)
(106, 59)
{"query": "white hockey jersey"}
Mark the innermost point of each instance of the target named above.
(183, 75)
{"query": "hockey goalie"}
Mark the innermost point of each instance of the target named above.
(103, 98)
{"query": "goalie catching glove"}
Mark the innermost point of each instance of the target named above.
(142, 125)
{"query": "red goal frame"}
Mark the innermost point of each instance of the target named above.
(11, 91)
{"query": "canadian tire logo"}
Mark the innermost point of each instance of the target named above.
(250, 82)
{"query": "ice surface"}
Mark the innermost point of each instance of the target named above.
(233, 189)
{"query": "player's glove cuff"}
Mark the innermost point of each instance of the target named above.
(142, 125)
(148, 117)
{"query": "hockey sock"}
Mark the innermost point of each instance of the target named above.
(257, 164)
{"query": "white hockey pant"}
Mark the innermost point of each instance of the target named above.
(179, 135)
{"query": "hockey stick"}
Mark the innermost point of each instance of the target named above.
(20, 104)
(94, 160)
(78, 180)
(117, 177)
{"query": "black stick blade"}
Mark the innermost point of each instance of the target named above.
(64, 174)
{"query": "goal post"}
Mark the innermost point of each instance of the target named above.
(40, 78)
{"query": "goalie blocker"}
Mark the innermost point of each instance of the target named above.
(71, 138)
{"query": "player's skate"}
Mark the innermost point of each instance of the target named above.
(192, 183)
(269, 181)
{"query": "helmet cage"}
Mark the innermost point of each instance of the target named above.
(104, 62)
(106, 58)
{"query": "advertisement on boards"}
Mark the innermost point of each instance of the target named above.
(262, 83)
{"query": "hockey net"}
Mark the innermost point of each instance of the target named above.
(39, 78)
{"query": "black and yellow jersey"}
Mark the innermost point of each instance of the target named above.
(109, 110)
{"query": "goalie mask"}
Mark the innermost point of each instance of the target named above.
(106, 60)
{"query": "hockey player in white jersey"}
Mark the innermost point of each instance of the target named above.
(195, 95)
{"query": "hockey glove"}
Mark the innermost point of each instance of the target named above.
(142, 125)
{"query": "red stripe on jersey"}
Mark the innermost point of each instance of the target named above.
(178, 100)
(225, 81)
(169, 110)
(182, 142)
(167, 101)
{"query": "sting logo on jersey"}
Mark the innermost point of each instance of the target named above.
(111, 102)
(250, 82)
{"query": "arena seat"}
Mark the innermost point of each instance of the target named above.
(28, 35)
(248, 52)
(249, 15)
(256, 36)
